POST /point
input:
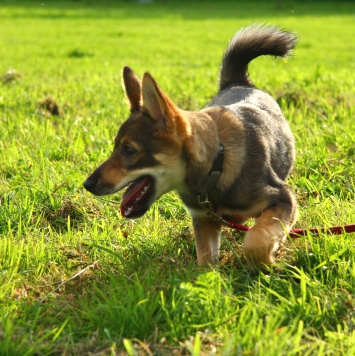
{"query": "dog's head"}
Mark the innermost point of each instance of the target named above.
(148, 151)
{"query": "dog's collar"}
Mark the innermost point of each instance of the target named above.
(215, 172)
(210, 184)
(212, 178)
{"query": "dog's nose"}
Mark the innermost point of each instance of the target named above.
(89, 184)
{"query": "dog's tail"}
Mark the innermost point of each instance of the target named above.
(248, 43)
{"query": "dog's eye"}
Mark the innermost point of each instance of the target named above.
(129, 151)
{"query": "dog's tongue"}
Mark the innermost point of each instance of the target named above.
(134, 196)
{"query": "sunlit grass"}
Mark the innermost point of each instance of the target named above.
(77, 278)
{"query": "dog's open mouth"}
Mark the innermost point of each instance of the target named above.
(136, 199)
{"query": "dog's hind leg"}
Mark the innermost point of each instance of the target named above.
(263, 239)
(207, 235)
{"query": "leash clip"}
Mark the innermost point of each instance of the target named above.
(208, 207)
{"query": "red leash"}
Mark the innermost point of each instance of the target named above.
(297, 233)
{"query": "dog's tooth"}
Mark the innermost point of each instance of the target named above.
(145, 189)
(128, 210)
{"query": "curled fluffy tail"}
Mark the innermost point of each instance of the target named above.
(248, 43)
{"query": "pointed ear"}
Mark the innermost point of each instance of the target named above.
(132, 88)
(153, 99)
(162, 109)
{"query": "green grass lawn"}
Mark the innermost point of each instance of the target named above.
(78, 279)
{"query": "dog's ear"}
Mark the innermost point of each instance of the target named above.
(153, 99)
(132, 87)
(161, 108)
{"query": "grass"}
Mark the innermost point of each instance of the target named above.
(76, 278)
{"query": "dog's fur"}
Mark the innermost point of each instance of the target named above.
(162, 148)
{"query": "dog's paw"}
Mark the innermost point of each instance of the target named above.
(259, 245)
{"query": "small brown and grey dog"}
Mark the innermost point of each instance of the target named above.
(235, 154)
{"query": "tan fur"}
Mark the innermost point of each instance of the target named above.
(111, 172)
(231, 132)
(263, 239)
(207, 235)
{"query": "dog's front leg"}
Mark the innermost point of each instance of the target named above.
(262, 240)
(207, 235)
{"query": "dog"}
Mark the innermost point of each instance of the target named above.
(228, 161)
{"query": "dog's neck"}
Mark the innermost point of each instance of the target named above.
(201, 148)
(210, 128)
